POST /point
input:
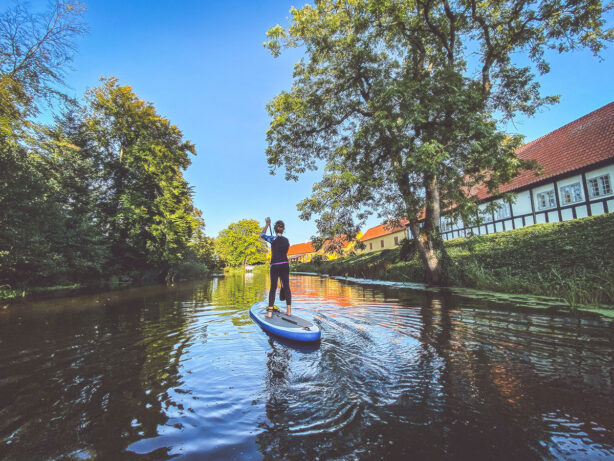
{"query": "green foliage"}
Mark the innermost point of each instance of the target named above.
(407, 249)
(240, 244)
(36, 49)
(401, 101)
(149, 209)
(188, 270)
(317, 260)
(100, 194)
(202, 249)
(574, 243)
(571, 260)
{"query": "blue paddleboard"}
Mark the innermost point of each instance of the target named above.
(288, 327)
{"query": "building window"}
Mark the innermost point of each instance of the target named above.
(396, 240)
(382, 242)
(504, 211)
(599, 186)
(546, 200)
(370, 245)
(571, 193)
(487, 217)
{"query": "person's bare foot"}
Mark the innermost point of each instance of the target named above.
(289, 311)
(269, 312)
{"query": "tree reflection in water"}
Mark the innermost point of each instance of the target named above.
(88, 380)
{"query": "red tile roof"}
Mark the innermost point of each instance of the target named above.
(383, 229)
(300, 249)
(581, 143)
(336, 240)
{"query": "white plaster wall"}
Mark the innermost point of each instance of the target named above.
(566, 214)
(597, 208)
(581, 211)
(540, 218)
(522, 204)
(566, 181)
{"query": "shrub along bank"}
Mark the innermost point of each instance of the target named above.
(572, 260)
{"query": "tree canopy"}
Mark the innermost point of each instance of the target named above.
(401, 103)
(240, 244)
(100, 192)
(149, 209)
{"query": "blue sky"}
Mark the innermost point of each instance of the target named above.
(202, 64)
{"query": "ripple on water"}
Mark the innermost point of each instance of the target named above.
(399, 374)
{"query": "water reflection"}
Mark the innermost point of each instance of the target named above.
(161, 372)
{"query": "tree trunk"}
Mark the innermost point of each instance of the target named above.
(428, 256)
(427, 237)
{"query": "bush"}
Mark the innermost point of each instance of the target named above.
(188, 270)
(317, 260)
(407, 250)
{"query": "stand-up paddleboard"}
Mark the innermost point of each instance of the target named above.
(288, 327)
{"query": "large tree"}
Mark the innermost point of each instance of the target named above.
(147, 207)
(400, 101)
(240, 244)
(36, 233)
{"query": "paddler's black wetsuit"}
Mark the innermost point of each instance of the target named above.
(280, 268)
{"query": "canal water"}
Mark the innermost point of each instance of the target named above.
(165, 372)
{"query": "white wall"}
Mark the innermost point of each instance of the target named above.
(522, 205)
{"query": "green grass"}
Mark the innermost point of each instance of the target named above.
(7, 293)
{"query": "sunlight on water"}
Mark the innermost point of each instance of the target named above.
(162, 372)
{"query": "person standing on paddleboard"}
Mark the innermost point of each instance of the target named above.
(280, 267)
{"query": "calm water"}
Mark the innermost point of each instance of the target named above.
(157, 373)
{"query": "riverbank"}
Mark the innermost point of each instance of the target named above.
(188, 272)
(7, 293)
(571, 260)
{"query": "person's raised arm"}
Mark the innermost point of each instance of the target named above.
(266, 225)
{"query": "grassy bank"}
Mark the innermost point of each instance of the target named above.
(184, 271)
(7, 293)
(570, 260)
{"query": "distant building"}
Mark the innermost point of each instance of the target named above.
(301, 252)
(304, 252)
(384, 237)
